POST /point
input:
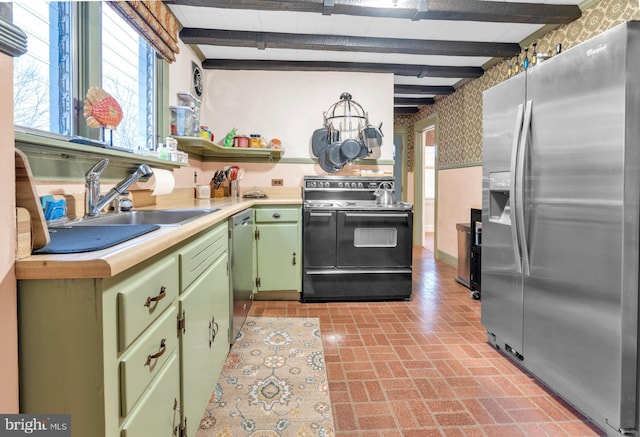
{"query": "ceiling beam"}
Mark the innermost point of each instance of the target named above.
(405, 110)
(413, 101)
(467, 10)
(235, 38)
(499, 12)
(362, 67)
(423, 89)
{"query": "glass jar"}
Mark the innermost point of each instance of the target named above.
(255, 140)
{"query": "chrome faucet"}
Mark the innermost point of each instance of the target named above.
(95, 202)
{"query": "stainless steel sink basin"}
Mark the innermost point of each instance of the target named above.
(166, 217)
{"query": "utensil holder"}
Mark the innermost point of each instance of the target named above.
(235, 189)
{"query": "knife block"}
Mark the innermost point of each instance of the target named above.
(220, 192)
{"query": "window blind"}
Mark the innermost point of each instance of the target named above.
(155, 22)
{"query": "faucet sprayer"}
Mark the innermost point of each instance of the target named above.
(95, 202)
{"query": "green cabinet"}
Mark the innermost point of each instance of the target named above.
(132, 355)
(278, 248)
(203, 321)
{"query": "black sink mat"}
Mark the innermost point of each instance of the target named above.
(89, 238)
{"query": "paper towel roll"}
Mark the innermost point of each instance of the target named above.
(162, 182)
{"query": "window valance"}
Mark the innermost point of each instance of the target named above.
(13, 41)
(155, 22)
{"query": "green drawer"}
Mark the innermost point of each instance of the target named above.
(155, 414)
(198, 255)
(143, 296)
(138, 366)
(279, 214)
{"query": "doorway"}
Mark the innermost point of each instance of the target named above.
(429, 189)
(424, 132)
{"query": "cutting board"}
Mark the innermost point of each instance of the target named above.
(27, 197)
(23, 227)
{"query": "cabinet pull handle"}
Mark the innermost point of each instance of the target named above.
(276, 215)
(294, 259)
(160, 296)
(213, 330)
(163, 349)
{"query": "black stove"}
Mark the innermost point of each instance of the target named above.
(354, 249)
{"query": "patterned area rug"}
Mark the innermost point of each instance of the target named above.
(273, 384)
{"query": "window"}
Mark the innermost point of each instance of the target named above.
(128, 74)
(42, 77)
(53, 74)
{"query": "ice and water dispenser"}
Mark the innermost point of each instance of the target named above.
(499, 201)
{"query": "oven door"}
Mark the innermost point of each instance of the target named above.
(319, 238)
(374, 238)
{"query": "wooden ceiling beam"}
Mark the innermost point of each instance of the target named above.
(235, 38)
(413, 101)
(362, 67)
(467, 10)
(424, 89)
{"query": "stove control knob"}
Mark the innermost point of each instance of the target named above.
(360, 185)
(340, 185)
(353, 184)
(311, 184)
(326, 184)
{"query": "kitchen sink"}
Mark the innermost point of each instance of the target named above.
(164, 217)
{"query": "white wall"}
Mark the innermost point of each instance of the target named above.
(289, 105)
(279, 104)
(180, 73)
(459, 190)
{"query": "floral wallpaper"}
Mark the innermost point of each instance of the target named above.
(460, 114)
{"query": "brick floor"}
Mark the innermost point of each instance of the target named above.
(423, 367)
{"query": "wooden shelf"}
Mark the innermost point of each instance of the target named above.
(205, 148)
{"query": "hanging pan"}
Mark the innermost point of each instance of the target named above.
(319, 141)
(350, 149)
(325, 163)
(335, 157)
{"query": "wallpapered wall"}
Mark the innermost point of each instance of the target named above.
(460, 114)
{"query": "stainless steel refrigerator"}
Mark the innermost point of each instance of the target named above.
(561, 221)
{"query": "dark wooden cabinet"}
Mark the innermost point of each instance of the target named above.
(475, 253)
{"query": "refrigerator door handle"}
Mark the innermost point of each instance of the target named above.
(512, 186)
(522, 154)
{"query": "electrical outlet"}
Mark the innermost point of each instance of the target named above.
(277, 182)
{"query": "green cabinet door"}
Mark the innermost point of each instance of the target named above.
(204, 307)
(278, 256)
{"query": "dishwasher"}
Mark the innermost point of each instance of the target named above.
(243, 261)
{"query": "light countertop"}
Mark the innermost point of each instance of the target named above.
(111, 261)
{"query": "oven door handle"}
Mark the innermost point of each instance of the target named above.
(320, 214)
(374, 214)
(354, 271)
